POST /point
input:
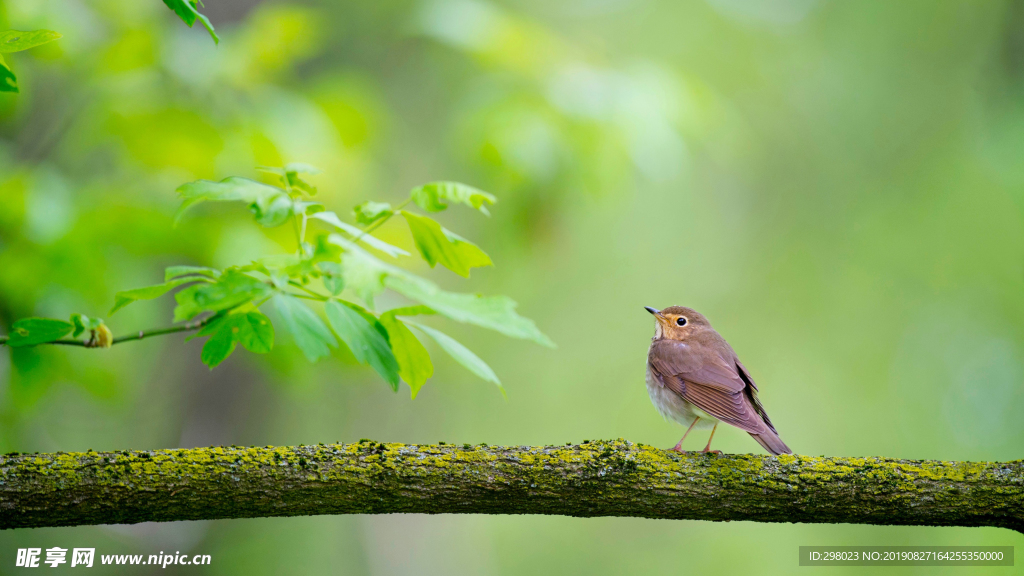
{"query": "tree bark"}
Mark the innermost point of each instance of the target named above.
(606, 478)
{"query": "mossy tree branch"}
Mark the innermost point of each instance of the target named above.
(616, 478)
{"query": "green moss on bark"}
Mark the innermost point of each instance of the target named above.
(611, 478)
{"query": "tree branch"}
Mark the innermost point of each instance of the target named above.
(616, 478)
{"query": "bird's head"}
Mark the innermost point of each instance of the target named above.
(677, 322)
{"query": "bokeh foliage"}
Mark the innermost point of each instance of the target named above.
(836, 185)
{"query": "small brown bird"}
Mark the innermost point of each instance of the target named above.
(694, 378)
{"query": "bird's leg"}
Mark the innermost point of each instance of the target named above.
(679, 446)
(708, 447)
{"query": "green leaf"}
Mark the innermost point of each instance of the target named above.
(210, 328)
(362, 274)
(32, 331)
(252, 329)
(172, 272)
(325, 250)
(186, 10)
(295, 181)
(81, 322)
(230, 290)
(16, 41)
(411, 310)
(270, 205)
(282, 267)
(438, 244)
(302, 168)
(272, 170)
(290, 175)
(333, 279)
(369, 212)
(492, 312)
(414, 364)
(370, 240)
(255, 332)
(368, 316)
(221, 343)
(8, 82)
(275, 212)
(278, 262)
(365, 341)
(126, 297)
(434, 196)
(308, 208)
(460, 353)
(309, 332)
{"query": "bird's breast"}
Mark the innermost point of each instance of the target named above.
(674, 407)
(669, 404)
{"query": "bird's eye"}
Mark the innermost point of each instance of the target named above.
(681, 321)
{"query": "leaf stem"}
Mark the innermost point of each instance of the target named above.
(300, 228)
(298, 236)
(381, 222)
(307, 290)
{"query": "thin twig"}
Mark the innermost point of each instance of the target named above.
(317, 298)
(141, 334)
(303, 288)
(381, 222)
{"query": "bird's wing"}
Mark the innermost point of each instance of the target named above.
(710, 382)
(751, 392)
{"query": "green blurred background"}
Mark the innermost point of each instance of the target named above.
(838, 186)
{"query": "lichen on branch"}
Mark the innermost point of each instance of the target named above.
(605, 478)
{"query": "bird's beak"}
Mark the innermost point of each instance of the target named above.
(655, 311)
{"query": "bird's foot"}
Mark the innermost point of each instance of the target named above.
(706, 451)
(678, 448)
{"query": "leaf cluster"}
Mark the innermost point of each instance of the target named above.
(323, 294)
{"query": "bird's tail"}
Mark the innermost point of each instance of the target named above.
(772, 443)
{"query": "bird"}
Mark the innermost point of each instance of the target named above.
(695, 378)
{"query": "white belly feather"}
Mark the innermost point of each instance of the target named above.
(673, 407)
